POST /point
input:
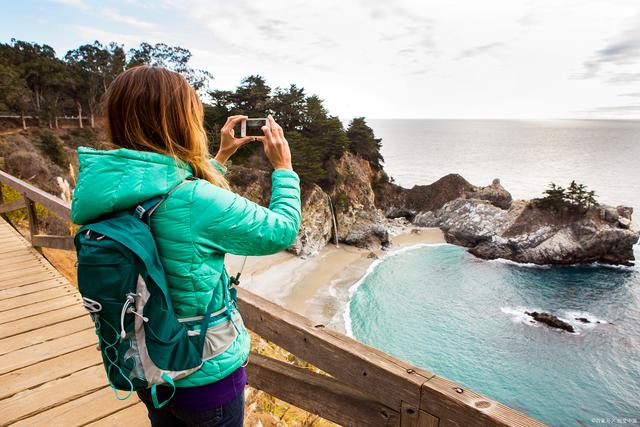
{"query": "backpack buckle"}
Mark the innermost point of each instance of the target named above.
(140, 211)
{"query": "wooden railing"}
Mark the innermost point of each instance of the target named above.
(365, 387)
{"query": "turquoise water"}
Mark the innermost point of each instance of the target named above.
(463, 318)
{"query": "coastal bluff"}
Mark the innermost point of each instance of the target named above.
(485, 219)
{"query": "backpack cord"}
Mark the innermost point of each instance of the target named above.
(112, 363)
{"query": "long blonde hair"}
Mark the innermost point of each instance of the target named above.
(155, 109)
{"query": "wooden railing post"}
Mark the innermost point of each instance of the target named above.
(32, 215)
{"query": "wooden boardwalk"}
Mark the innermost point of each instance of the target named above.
(50, 371)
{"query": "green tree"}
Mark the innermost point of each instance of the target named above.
(363, 142)
(175, 58)
(14, 93)
(288, 107)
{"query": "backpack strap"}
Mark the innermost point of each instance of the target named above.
(145, 209)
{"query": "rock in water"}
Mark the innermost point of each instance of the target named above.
(551, 320)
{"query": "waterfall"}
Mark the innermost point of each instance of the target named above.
(333, 218)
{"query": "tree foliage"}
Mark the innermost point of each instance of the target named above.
(574, 198)
(34, 81)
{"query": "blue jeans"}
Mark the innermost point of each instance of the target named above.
(228, 415)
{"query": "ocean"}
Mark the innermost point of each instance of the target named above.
(463, 318)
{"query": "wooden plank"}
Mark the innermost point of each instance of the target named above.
(45, 295)
(49, 370)
(456, 406)
(21, 264)
(14, 249)
(40, 308)
(29, 402)
(90, 408)
(47, 333)
(7, 260)
(30, 269)
(317, 393)
(38, 321)
(135, 415)
(388, 380)
(55, 242)
(47, 350)
(413, 417)
(12, 206)
(32, 288)
(31, 278)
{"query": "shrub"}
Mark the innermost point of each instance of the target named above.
(52, 147)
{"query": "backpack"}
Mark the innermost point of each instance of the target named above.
(123, 286)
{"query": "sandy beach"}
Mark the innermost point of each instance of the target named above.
(317, 286)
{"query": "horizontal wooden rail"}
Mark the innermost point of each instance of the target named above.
(363, 386)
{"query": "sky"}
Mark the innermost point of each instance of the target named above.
(526, 59)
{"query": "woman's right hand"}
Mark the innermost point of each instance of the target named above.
(275, 145)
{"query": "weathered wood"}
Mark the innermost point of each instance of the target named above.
(317, 393)
(386, 379)
(28, 279)
(45, 295)
(40, 308)
(135, 415)
(21, 326)
(35, 375)
(79, 412)
(16, 342)
(31, 288)
(457, 406)
(29, 402)
(52, 203)
(12, 206)
(32, 216)
(55, 242)
(47, 350)
(414, 417)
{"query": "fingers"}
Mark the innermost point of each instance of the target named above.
(231, 122)
(276, 131)
(246, 139)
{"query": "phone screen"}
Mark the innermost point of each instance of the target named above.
(249, 127)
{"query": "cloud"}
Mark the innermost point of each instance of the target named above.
(623, 78)
(75, 3)
(616, 109)
(125, 19)
(479, 50)
(623, 50)
(631, 95)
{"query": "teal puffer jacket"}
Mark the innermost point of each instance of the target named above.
(194, 228)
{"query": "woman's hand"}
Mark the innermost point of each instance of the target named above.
(275, 145)
(229, 144)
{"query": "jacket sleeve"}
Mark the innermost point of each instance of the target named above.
(221, 168)
(227, 222)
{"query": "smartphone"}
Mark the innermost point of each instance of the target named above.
(250, 127)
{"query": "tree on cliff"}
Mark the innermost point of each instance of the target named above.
(363, 142)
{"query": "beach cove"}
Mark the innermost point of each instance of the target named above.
(318, 286)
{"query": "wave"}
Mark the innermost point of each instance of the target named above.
(346, 315)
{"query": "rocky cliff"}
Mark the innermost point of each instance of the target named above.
(529, 234)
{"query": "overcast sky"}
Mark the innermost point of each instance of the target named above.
(383, 59)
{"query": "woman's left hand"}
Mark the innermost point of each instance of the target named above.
(229, 144)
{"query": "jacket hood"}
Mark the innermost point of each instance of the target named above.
(113, 180)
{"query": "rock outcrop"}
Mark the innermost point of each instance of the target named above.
(397, 201)
(360, 222)
(551, 320)
(529, 234)
(316, 227)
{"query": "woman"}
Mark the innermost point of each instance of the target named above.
(155, 121)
